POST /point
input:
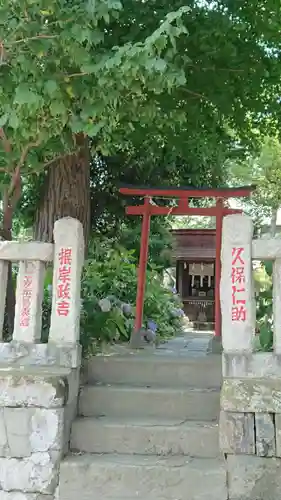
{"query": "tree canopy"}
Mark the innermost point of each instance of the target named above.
(62, 74)
(162, 95)
(264, 170)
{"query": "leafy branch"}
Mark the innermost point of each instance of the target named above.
(32, 38)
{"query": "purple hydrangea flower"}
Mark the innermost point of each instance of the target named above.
(151, 325)
(126, 309)
(177, 313)
(105, 305)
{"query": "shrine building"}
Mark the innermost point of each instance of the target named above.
(193, 256)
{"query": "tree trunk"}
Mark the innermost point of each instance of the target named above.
(10, 199)
(65, 193)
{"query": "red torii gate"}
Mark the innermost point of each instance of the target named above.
(182, 208)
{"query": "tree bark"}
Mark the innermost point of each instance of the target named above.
(65, 193)
(10, 200)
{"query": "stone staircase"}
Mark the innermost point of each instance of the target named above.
(147, 429)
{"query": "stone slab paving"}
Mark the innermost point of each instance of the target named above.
(191, 343)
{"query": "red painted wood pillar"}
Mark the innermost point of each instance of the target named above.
(142, 264)
(219, 218)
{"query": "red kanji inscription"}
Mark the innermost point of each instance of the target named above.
(63, 308)
(64, 281)
(237, 275)
(237, 300)
(239, 309)
(26, 301)
(239, 313)
(65, 257)
(64, 273)
(237, 256)
(64, 290)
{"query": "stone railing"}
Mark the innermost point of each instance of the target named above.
(250, 420)
(67, 255)
(39, 382)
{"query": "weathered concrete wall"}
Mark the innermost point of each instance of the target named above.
(39, 383)
(34, 430)
(250, 437)
(250, 419)
(37, 408)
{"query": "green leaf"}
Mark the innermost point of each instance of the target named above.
(266, 337)
(57, 108)
(161, 42)
(114, 4)
(268, 267)
(160, 65)
(23, 95)
(4, 119)
(92, 129)
(14, 120)
(181, 79)
(51, 87)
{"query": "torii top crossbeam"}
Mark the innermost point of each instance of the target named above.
(188, 192)
(183, 195)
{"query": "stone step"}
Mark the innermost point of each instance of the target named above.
(132, 477)
(121, 401)
(152, 437)
(155, 370)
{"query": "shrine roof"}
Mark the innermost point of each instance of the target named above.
(193, 244)
(187, 191)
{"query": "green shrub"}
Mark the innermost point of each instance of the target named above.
(264, 311)
(111, 274)
(108, 294)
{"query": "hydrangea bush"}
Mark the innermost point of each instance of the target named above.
(108, 300)
(108, 294)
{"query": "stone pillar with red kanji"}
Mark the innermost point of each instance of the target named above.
(236, 284)
(29, 296)
(3, 281)
(68, 263)
(276, 305)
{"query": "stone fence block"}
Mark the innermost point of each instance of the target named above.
(37, 406)
(36, 387)
(278, 434)
(35, 474)
(253, 478)
(31, 250)
(265, 435)
(17, 495)
(237, 433)
(248, 365)
(26, 354)
(24, 431)
(266, 249)
(251, 395)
